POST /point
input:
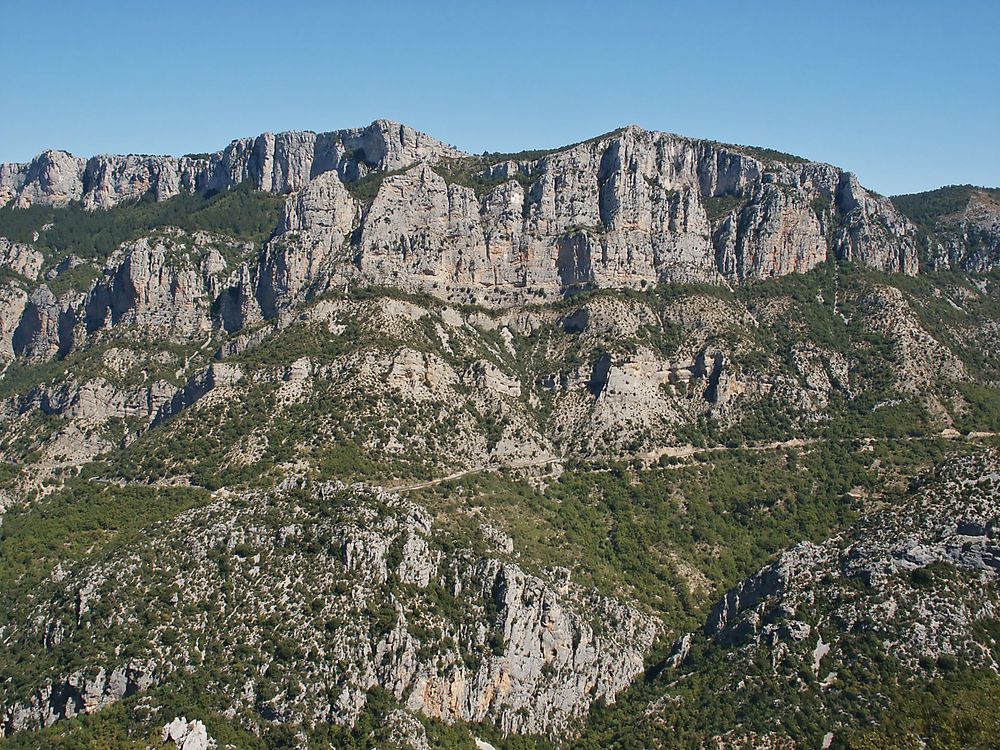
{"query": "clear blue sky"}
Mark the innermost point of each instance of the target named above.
(906, 94)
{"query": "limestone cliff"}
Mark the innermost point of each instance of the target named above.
(276, 163)
(356, 577)
(627, 209)
(960, 225)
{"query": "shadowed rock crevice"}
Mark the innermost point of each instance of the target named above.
(573, 263)
(599, 375)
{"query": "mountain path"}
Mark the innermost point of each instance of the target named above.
(685, 451)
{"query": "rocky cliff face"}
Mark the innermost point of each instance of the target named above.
(277, 163)
(45, 326)
(171, 285)
(624, 210)
(191, 361)
(164, 285)
(969, 239)
(951, 523)
(354, 577)
(903, 597)
(21, 259)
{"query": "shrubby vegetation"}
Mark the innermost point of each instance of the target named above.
(674, 537)
(720, 207)
(925, 209)
(889, 709)
(671, 536)
(82, 519)
(366, 188)
(474, 171)
(771, 155)
(242, 213)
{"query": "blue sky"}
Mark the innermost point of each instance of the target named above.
(906, 94)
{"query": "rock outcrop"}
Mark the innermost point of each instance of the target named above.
(12, 302)
(628, 209)
(778, 233)
(46, 325)
(456, 636)
(165, 284)
(83, 692)
(625, 210)
(22, 259)
(170, 284)
(311, 240)
(968, 239)
(953, 522)
(187, 735)
(275, 163)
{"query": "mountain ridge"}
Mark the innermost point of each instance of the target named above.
(628, 208)
(550, 449)
(388, 125)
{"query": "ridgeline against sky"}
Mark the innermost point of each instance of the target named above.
(904, 94)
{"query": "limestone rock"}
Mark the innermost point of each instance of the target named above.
(187, 735)
(51, 178)
(112, 180)
(952, 519)
(22, 259)
(420, 227)
(46, 326)
(628, 209)
(921, 355)
(970, 239)
(487, 376)
(777, 233)
(874, 233)
(12, 302)
(625, 210)
(405, 731)
(167, 284)
(82, 692)
(314, 229)
(276, 163)
(546, 648)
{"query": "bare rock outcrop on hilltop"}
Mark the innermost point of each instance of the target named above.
(276, 163)
(967, 238)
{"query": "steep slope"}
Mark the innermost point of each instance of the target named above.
(307, 598)
(960, 223)
(419, 388)
(355, 440)
(854, 642)
(388, 205)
